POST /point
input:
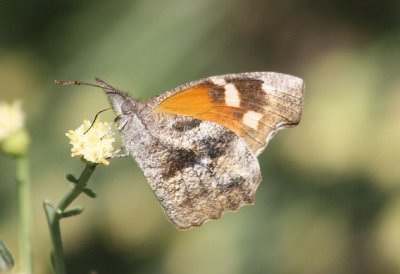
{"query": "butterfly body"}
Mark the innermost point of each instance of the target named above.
(197, 145)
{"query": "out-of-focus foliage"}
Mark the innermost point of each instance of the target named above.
(330, 199)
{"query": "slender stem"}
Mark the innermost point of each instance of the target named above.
(24, 214)
(77, 188)
(54, 215)
(57, 255)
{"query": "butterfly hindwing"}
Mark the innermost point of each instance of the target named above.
(197, 169)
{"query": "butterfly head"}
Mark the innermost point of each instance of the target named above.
(124, 107)
(122, 103)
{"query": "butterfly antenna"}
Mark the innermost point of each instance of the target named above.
(78, 83)
(95, 118)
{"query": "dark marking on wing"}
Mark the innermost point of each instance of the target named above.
(234, 182)
(246, 85)
(183, 126)
(238, 114)
(216, 147)
(179, 159)
(217, 94)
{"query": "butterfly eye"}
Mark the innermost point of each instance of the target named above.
(126, 107)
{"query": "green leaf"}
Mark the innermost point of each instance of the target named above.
(6, 259)
(89, 193)
(71, 178)
(72, 212)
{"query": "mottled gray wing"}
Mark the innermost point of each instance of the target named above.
(197, 169)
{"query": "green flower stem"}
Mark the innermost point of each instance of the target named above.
(24, 214)
(54, 215)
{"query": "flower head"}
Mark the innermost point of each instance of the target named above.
(11, 119)
(14, 138)
(95, 144)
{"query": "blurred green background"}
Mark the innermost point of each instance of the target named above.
(330, 197)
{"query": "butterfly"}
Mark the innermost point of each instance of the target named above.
(197, 144)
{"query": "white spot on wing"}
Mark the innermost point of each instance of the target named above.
(268, 88)
(219, 81)
(252, 118)
(232, 97)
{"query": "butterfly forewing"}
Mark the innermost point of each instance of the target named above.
(253, 105)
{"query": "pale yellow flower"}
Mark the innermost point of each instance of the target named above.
(95, 145)
(11, 119)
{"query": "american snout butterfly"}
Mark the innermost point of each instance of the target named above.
(197, 144)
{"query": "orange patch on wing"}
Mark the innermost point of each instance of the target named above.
(227, 117)
(190, 102)
(196, 102)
